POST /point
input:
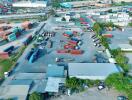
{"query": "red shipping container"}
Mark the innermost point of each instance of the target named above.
(26, 25)
(76, 52)
(108, 35)
(62, 51)
(4, 55)
(75, 32)
(67, 46)
(72, 42)
(84, 23)
(66, 35)
(81, 19)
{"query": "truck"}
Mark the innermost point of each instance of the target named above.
(76, 52)
(34, 56)
(9, 49)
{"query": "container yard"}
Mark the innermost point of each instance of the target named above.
(61, 47)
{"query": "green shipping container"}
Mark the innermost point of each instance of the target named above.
(12, 37)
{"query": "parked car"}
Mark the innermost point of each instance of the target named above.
(101, 86)
(122, 98)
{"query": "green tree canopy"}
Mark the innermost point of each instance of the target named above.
(121, 83)
(35, 96)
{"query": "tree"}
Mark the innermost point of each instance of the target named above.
(110, 11)
(35, 96)
(121, 83)
(63, 19)
(97, 28)
(130, 24)
(116, 52)
(104, 42)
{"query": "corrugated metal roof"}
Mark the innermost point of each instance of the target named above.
(53, 84)
(19, 92)
(55, 71)
(21, 82)
(92, 69)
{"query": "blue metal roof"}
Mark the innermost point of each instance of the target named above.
(55, 71)
(66, 5)
(21, 82)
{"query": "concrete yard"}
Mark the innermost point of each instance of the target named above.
(91, 94)
(120, 37)
(49, 55)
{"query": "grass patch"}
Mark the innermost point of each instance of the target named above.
(7, 64)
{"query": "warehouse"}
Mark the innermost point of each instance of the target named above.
(30, 4)
(93, 71)
(17, 92)
(75, 4)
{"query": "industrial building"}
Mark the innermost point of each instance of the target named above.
(76, 4)
(121, 18)
(122, 1)
(30, 4)
(93, 71)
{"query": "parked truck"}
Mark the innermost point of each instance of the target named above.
(9, 49)
(34, 56)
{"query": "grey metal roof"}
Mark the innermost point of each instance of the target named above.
(19, 92)
(91, 69)
(55, 71)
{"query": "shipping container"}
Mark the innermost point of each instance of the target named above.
(26, 25)
(9, 49)
(63, 51)
(28, 40)
(34, 56)
(4, 55)
(76, 52)
(67, 46)
(75, 39)
(29, 54)
(12, 37)
(72, 42)
(108, 35)
(66, 35)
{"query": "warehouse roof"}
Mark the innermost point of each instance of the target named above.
(125, 47)
(55, 71)
(18, 92)
(21, 82)
(30, 4)
(53, 84)
(92, 69)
